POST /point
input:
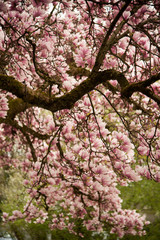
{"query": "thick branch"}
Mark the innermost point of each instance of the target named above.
(139, 86)
(28, 95)
(16, 106)
(151, 95)
(40, 99)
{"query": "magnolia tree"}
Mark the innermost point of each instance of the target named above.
(80, 97)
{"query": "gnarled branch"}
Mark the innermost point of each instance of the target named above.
(139, 86)
(53, 104)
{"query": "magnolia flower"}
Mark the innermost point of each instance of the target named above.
(126, 14)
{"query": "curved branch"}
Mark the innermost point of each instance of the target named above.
(151, 95)
(53, 104)
(10, 84)
(16, 106)
(140, 87)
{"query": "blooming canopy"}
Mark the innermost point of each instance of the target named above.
(79, 97)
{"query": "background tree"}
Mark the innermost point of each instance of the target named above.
(80, 98)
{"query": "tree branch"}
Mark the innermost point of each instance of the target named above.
(20, 90)
(109, 39)
(77, 71)
(24, 129)
(53, 104)
(16, 106)
(139, 86)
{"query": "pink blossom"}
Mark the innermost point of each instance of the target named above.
(105, 181)
(17, 214)
(129, 173)
(113, 63)
(26, 182)
(100, 169)
(136, 36)
(84, 154)
(51, 181)
(123, 42)
(67, 85)
(51, 126)
(38, 12)
(83, 52)
(80, 62)
(118, 165)
(143, 150)
(97, 143)
(77, 148)
(5, 216)
(126, 15)
(68, 127)
(157, 177)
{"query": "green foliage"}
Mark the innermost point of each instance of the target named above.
(22, 230)
(145, 197)
(13, 193)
